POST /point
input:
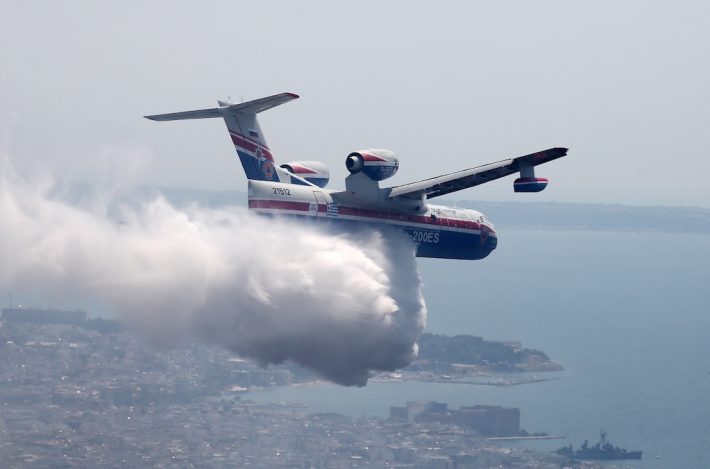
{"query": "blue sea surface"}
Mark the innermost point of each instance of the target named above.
(625, 313)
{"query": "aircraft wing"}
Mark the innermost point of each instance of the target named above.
(452, 182)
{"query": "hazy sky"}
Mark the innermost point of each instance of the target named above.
(446, 85)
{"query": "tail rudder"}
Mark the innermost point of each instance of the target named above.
(245, 132)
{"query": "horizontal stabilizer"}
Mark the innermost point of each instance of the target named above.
(178, 116)
(250, 107)
(262, 104)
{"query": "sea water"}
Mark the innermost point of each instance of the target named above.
(625, 313)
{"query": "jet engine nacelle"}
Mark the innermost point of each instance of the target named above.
(312, 171)
(375, 164)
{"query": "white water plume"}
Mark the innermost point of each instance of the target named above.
(343, 305)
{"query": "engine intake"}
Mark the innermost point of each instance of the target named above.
(377, 164)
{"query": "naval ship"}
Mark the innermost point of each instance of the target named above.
(602, 450)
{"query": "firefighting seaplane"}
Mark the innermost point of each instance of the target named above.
(298, 187)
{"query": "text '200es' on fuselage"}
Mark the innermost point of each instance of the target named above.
(298, 187)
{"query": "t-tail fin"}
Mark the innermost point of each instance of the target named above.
(257, 160)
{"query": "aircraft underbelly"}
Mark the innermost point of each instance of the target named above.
(453, 245)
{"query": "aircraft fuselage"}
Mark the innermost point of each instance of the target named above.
(437, 231)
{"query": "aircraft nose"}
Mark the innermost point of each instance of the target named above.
(489, 237)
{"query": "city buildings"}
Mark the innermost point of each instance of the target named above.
(75, 395)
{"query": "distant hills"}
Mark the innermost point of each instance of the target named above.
(529, 215)
(473, 350)
(567, 216)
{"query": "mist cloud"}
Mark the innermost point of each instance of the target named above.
(343, 305)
